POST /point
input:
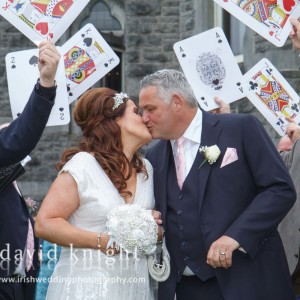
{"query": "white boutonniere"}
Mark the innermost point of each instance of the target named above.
(211, 154)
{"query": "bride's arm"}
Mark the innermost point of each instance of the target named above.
(51, 223)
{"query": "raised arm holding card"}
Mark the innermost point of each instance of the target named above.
(22, 135)
(16, 142)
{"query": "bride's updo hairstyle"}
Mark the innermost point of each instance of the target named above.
(95, 114)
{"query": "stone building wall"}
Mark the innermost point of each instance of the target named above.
(150, 30)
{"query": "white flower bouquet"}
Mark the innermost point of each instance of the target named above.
(132, 228)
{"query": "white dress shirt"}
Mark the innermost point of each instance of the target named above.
(192, 137)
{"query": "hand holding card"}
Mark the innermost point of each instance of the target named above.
(48, 62)
(272, 95)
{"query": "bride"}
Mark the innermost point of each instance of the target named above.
(104, 172)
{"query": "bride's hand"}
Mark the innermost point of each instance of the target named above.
(103, 243)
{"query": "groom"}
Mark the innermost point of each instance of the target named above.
(220, 217)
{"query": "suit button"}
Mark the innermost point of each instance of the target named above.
(183, 243)
(180, 227)
(179, 212)
(296, 255)
(186, 258)
(180, 196)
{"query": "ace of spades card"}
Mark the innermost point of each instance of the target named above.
(272, 95)
(87, 58)
(41, 20)
(210, 67)
(22, 74)
(267, 17)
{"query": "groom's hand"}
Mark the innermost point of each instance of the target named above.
(220, 252)
(157, 217)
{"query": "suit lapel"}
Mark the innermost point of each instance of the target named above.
(209, 137)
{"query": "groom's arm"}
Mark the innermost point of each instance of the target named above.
(276, 193)
(275, 197)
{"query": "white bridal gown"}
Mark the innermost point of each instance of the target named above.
(90, 274)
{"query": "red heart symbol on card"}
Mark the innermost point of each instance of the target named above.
(225, 0)
(51, 35)
(288, 5)
(271, 33)
(42, 27)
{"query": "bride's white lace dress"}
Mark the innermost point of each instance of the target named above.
(90, 274)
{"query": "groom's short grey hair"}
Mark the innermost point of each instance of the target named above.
(168, 82)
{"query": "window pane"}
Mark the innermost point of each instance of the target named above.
(102, 19)
(237, 31)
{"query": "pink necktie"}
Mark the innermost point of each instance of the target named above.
(180, 161)
(29, 247)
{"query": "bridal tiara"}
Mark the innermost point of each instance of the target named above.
(119, 99)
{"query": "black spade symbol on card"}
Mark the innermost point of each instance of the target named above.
(295, 107)
(18, 114)
(202, 98)
(68, 90)
(33, 60)
(61, 109)
(220, 41)
(88, 41)
(83, 35)
(106, 65)
(183, 55)
(13, 66)
(238, 84)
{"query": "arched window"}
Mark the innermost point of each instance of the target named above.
(111, 30)
(102, 18)
(233, 29)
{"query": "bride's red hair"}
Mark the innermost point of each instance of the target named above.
(93, 113)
